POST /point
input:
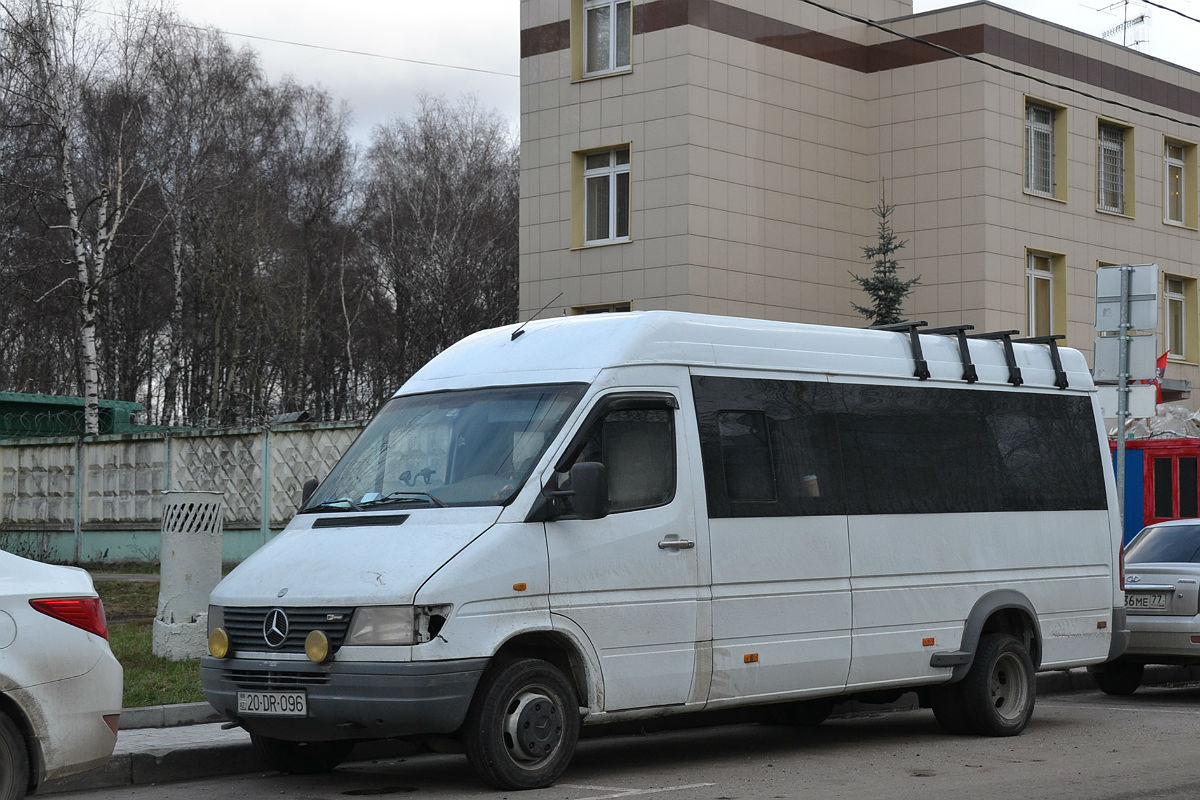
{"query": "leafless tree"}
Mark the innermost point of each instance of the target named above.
(441, 222)
(64, 73)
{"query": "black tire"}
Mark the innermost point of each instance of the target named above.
(805, 713)
(14, 761)
(999, 690)
(523, 725)
(1118, 677)
(301, 758)
(948, 708)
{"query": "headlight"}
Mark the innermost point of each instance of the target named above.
(382, 625)
(396, 624)
(218, 639)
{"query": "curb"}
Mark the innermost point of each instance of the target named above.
(168, 716)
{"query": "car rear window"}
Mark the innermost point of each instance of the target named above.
(1165, 543)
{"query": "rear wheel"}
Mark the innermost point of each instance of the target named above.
(999, 690)
(523, 725)
(1118, 677)
(14, 761)
(301, 758)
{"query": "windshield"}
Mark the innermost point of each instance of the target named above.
(462, 448)
(1165, 544)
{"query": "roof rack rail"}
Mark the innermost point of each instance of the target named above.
(1060, 375)
(1014, 372)
(960, 333)
(921, 371)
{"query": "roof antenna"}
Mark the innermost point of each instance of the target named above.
(521, 329)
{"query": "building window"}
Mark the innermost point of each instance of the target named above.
(1175, 318)
(1179, 296)
(1179, 183)
(1039, 149)
(602, 308)
(1039, 282)
(1045, 292)
(1112, 189)
(607, 35)
(1173, 167)
(1045, 149)
(606, 196)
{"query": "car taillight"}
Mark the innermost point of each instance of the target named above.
(82, 612)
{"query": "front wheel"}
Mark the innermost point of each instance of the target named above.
(301, 758)
(999, 690)
(523, 725)
(1118, 677)
(14, 761)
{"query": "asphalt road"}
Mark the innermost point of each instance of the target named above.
(1079, 745)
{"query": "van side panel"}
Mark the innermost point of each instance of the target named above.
(781, 596)
(914, 583)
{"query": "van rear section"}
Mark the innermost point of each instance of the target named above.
(623, 516)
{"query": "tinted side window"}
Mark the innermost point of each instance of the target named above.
(863, 449)
(637, 448)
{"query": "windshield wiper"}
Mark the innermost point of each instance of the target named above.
(341, 504)
(396, 498)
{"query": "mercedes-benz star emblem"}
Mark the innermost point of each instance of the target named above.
(275, 627)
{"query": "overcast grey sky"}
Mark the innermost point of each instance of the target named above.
(485, 35)
(475, 34)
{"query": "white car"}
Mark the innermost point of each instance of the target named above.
(60, 685)
(1162, 599)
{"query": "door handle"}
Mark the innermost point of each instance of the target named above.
(676, 544)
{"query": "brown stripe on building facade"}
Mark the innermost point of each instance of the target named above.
(1021, 51)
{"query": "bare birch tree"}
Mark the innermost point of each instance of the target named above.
(59, 63)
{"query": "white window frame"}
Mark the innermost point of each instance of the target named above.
(1175, 297)
(1110, 167)
(616, 30)
(611, 173)
(1039, 267)
(1039, 148)
(1174, 182)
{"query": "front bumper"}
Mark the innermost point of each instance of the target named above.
(348, 700)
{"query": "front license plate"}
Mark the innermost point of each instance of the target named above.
(273, 704)
(1146, 600)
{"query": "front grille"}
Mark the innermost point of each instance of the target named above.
(245, 627)
(276, 680)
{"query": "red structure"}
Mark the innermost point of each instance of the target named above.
(1162, 481)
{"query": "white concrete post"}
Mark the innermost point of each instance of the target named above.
(189, 568)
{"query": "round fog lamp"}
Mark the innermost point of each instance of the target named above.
(218, 643)
(316, 646)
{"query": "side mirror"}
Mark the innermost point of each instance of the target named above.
(589, 490)
(310, 486)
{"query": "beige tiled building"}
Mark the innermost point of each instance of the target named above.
(725, 157)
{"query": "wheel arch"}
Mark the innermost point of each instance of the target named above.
(554, 648)
(33, 746)
(999, 611)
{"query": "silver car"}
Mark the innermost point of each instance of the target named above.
(1162, 598)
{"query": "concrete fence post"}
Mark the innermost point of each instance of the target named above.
(189, 568)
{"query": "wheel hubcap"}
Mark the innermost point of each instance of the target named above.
(533, 726)
(1006, 686)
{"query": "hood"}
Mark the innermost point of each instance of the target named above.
(367, 558)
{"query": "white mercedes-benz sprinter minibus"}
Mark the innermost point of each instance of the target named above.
(621, 516)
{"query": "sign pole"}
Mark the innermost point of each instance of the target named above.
(1123, 388)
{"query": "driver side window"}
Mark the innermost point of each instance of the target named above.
(637, 448)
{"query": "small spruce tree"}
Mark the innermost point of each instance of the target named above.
(883, 286)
